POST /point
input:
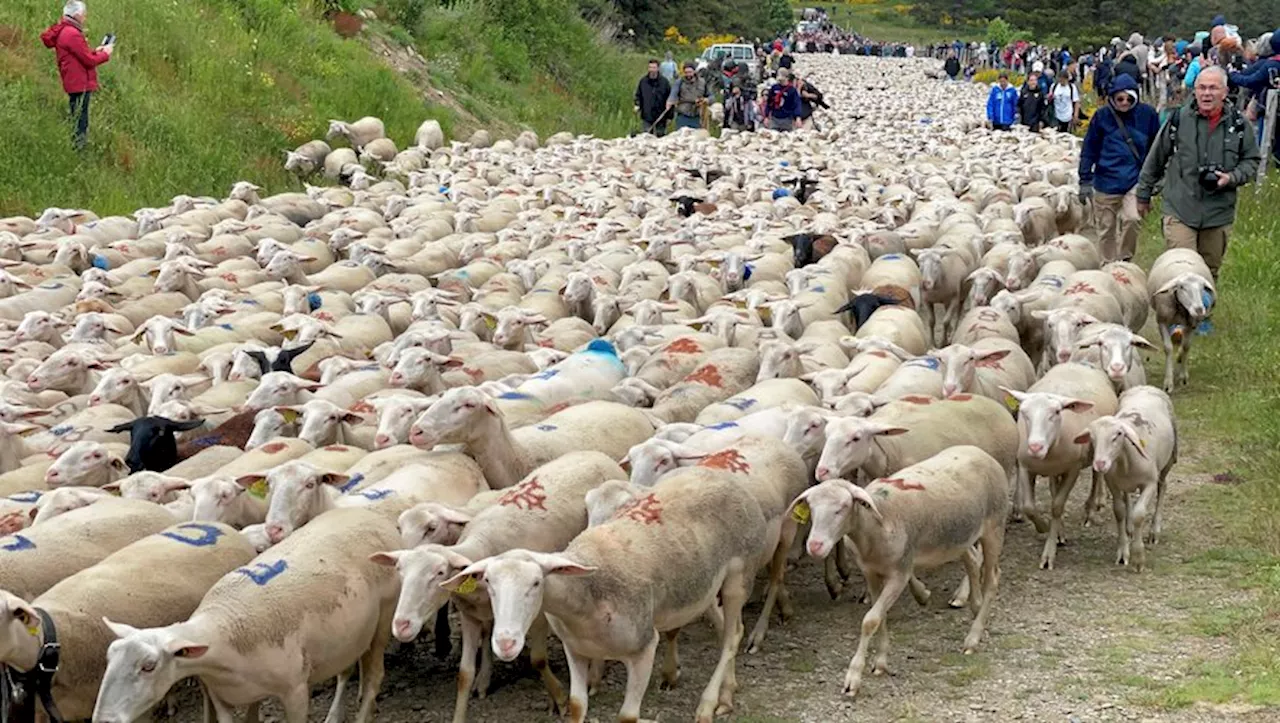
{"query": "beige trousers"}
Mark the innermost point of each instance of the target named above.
(1211, 243)
(1117, 220)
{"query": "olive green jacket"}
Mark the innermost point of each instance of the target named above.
(1232, 146)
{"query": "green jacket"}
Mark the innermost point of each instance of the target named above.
(1232, 146)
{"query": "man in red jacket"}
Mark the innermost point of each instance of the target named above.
(76, 64)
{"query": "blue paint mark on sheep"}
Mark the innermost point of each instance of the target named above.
(375, 495)
(314, 301)
(741, 404)
(101, 262)
(546, 427)
(51, 285)
(250, 302)
(514, 395)
(602, 346)
(352, 482)
(204, 535)
(19, 544)
(26, 498)
(724, 425)
(1052, 280)
(546, 374)
(891, 257)
(1206, 298)
(746, 272)
(929, 362)
(228, 327)
(780, 193)
(818, 289)
(262, 572)
(61, 430)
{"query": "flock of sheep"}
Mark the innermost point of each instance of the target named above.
(592, 389)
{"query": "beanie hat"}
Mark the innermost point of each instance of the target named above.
(1218, 20)
(1275, 42)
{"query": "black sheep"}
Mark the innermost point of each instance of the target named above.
(809, 248)
(864, 305)
(151, 443)
(283, 361)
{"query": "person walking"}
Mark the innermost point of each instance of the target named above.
(1065, 98)
(1119, 137)
(739, 111)
(952, 66)
(1203, 153)
(810, 100)
(77, 65)
(1031, 104)
(1002, 104)
(668, 68)
(782, 104)
(651, 100)
(689, 95)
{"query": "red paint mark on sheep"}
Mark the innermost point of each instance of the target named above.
(916, 399)
(960, 397)
(877, 353)
(274, 447)
(708, 375)
(728, 459)
(1080, 287)
(476, 374)
(683, 346)
(646, 510)
(362, 407)
(336, 448)
(988, 315)
(902, 484)
(228, 277)
(1121, 277)
(322, 315)
(989, 363)
(528, 495)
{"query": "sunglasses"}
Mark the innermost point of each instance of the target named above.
(1122, 99)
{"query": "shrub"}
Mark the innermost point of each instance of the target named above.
(989, 76)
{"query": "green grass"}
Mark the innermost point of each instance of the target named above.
(204, 93)
(198, 96)
(1230, 412)
(882, 21)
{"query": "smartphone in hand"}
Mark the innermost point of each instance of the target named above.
(109, 39)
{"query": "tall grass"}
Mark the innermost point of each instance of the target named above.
(536, 63)
(197, 96)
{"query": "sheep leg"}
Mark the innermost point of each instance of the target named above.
(537, 639)
(926, 314)
(251, 714)
(1027, 481)
(296, 703)
(670, 660)
(887, 593)
(372, 672)
(441, 641)
(339, 696)
(831, 576)
(1154, 532)
(717, 698)
(1183, 350)
(1167, 340)
(1140, 511)
(777, 573)
(919, 591)
(486, 660)
(1120, 508)
(639, 670)
(967, 591)
(224, 713)
(466, 667)
(1094, 502)
(992, 543)
(579, 676)
(1060, 487)
(952, 318)
(1015, 485)
(595, 675)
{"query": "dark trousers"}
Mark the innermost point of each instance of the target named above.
(79, 105)
(658, 129)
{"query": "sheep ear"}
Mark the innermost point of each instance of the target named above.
(1079, 406)
(184, 426)
(1142, 342)
(1137, 443)
(452, 516)
(1083, 438)
(862, 497)
(890, 431)
(290, 414)
(334, 479)
(249, 480)
(995, 355)
(459, 583)
(120, 630)
(386, 559)
(118, 464)
(121, 428)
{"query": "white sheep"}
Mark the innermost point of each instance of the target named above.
(1182, 295)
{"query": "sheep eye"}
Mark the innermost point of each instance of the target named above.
(147, 667)
(97, 455)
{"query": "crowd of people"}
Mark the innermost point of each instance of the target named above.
(1188, 141)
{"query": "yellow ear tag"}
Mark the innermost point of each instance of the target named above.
(491, 322)
(290, 416)
(33, 630)
(1142, 443)
(466, 587)
(1011, 402)
(259, 489)
(289, 334)
(114, 492)
(800, 513)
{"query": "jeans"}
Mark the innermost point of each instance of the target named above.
(687, 121)
(79, 106)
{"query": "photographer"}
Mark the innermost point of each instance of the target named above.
(1203, 153)
(76, 64)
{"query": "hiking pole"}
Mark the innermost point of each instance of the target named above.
(657, 120)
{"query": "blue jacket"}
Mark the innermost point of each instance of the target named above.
(1105, 159)
(1002, 106)
(1257, 77)
(783, 102)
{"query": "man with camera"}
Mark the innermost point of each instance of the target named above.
(1203, 153)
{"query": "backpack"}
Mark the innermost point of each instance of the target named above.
(1235, 121)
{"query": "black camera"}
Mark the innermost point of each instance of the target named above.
(1209, 177)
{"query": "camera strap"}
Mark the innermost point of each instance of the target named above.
(1124, 133)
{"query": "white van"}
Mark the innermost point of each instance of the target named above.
(738, 52)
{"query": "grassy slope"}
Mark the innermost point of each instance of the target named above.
(202, 94)
(880, 21)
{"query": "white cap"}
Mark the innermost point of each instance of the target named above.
(1037, 67)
